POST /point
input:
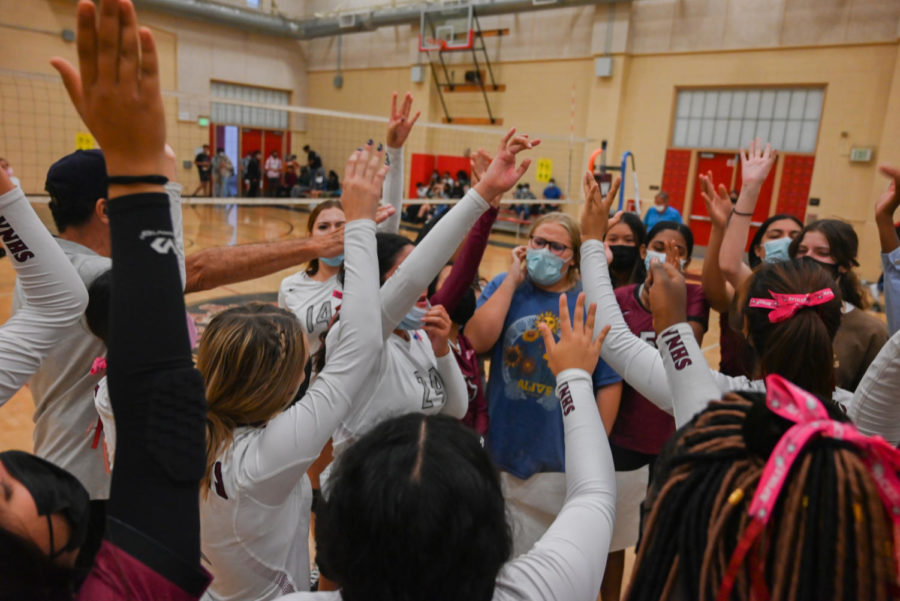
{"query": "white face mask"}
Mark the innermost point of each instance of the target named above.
(660, 208)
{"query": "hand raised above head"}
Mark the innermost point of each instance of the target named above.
(595, 221)
(116, 89)
(756, 163)
(718, 202)
(576, 348)
(668, 295)
(399, 124)
(363, 177)
(503, 173)
(890, 199)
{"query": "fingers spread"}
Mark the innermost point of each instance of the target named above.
(505, 140)
(71, 80)
(549, 342)
(565, 322)
(87, 41)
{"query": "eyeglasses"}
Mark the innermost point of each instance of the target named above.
(556, 247)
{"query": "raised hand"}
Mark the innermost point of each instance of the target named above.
(502, 174)
(577, 348)
(718, 202)
(384, 212)
(437, 324)
(668, 295)
(756, 163)
(889, 200)
(480, 160)
(363, 177)
(400, 124)
(116, 89)
(595, 221)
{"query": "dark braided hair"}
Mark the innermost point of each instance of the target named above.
(828, 538)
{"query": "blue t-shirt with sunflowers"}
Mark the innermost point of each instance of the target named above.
(525, 434)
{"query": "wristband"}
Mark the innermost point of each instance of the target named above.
(736, 212)
(125, 180)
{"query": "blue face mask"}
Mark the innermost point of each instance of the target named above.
(661, 257)
(544, 267)
(413, 319)
(777, 250)
(333, 261)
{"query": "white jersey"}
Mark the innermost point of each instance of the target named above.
(567, 563)
(65, 419)
(63, 388)
(56, 296)
(254, 521)
(410, 379)
(314, 303)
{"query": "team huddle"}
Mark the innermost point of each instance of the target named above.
(358, 410)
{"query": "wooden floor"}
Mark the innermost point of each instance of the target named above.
(207, 226)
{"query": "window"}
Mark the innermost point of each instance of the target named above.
(722, 118)
(249, 115)
(253, 3)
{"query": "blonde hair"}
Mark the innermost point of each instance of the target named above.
(252, 359)
(571, 226)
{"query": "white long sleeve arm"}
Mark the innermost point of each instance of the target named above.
(688, 374)
(291, 441)
(55, 297)
(392, 190)
(637, 362)
(875, 408)
(454, 386)
(173, 190)
(567, 563)
(412, 277)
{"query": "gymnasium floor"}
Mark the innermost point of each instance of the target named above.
(208, 225)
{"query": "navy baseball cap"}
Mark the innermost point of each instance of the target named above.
(75, 183)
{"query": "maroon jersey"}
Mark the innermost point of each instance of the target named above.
(117, 576)
(477, 415)
(640, 425)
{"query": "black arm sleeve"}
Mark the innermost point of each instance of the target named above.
(157, 396)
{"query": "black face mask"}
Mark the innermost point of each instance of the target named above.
(54, 491)
(831, 268)
(465, 308)
(624, 257)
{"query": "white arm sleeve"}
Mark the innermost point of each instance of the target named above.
(412, 277)
(636, 361)
(875, 408)
(688, 375)
(392, 190)
(292, 440)
(454, 386)
(567, 563)
(55, 297)
(173, 190)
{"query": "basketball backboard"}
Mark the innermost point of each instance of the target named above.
(447, 27)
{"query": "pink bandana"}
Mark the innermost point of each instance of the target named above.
(806, 411)
(784, 306)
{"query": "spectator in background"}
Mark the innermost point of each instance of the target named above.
(223, 169)
(661, 211)
(551, 192)
(523, 192)
(333, 184)
(253, 173)
(204, 168)
(313, 160)
(274, 166)
(4, 164)
(291, 170)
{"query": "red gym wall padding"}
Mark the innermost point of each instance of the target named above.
(793, 193)
(675, 176)
(422, 165)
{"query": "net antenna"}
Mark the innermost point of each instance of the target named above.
(446, 28)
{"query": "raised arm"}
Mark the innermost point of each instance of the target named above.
(890, 245)
(874, 407)
(292, 441)
(398, 130)
(568, 562)
(157, 395)
(717, 290)
(413, 275)
(437, 324)
(465, 268)
(756, 163)
(55, 295)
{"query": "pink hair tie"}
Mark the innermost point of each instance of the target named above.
(784, 306)
(99, 365)
(810, 421)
